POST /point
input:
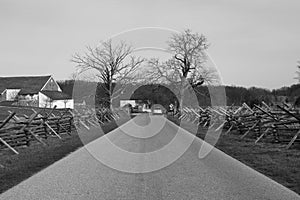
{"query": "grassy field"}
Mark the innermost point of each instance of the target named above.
(273, 160)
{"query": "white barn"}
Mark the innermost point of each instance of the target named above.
(37, 91)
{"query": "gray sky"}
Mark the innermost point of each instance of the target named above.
(253, 43)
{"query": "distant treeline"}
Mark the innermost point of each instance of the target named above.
(159, 94)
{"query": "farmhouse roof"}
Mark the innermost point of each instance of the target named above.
(27, 84)
(56, 95)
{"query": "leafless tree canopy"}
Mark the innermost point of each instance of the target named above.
(188, 49)
(113, 63)
(298, 71)
(188, 63)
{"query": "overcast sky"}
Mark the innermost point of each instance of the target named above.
(253, 43)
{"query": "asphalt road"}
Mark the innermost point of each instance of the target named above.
(179, 175)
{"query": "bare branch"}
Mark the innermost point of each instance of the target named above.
(110, 61)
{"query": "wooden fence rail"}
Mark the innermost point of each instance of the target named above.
(20, 129)
(276, 124)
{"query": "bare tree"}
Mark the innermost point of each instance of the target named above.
(189, 49)
(113, 64)
(73, 76)
(298, 71)
(163, 72)
(188, 68)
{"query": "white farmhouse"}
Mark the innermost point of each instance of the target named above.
(37, 91)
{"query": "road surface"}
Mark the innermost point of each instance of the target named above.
(82, 176)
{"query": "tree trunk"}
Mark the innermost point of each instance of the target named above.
(181, 95)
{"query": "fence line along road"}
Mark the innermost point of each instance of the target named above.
(278, 124)
(22, 127)
(81, 176)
